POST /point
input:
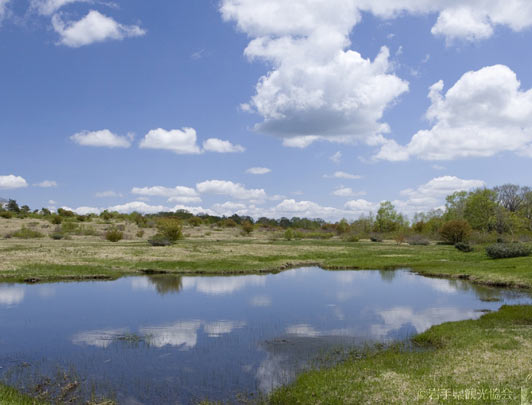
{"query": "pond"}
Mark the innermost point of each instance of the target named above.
(166, 339)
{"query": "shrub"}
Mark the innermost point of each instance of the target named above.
(507, 250)
(229, 223)
(342, 227)
(195, 221)
(159, 240)
(247, 227)
(312, 235)
(114, 235)
(26, 233)
(87, 231)
(140, 233)
(56, 219)
(6, 214)
(418, 240)
(455, 231)
(463, 247)
(482, 238)
(170, 228)
(289, 234)
(57, 236)
(352, 238)
(399, 238)
(69, 227)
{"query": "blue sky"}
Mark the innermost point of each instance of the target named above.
(164, 105)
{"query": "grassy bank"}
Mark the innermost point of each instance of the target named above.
(91, 257)
(9, 396)
(482, 361)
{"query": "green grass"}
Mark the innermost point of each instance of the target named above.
(50, 260)
(494, 352)
(27, 233)
(489, 356)
(10, 396)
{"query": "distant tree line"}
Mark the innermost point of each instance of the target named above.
(500, 211)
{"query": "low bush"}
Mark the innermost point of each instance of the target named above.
(399, 238)
(342, 227)
(56, 219)
(352, 238)
(26, 233)
(159, 240)
(69, 227)
(482, 238)
(313, 235)
(57, 236)
(140, 233)
(417, 240)
(507, 250)
(6, 214)
(247, 227)
(170, 228)
(87, 231)
(195, 221)
(289, 234)
(229, 223)
(455, 231)
(114, 235)
(464, 247)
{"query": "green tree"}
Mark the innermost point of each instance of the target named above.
(342, 227)
(480, 209)
(12, 206)
(525, 211)
(387, 219)
(455, 205)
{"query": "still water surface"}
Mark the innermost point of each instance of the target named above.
(166, 339)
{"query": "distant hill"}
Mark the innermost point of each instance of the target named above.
(3, 200)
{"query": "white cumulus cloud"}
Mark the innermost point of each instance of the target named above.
(178, 141)
(11, 182)
(102, 138)
(160, 191)
(317, 87)
(49, 7)
(229, 208)
(94, 27)
(220, 146)
(432, 194)
(347, 192)
(361, 207)
(484, 113)
(107, 194)
(231, 189)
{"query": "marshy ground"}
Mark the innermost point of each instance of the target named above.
(483, 361)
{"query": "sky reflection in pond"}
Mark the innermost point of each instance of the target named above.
(160, 338)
